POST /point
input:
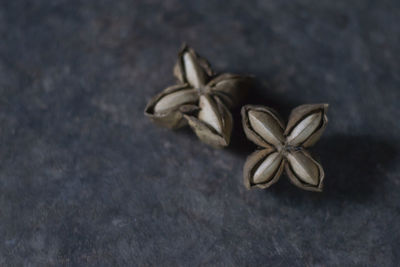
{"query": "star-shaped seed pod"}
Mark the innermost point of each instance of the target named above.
(284, 148)
(200, 99)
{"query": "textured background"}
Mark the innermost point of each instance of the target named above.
(86, 179)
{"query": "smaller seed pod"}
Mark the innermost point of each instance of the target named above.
(284, 148)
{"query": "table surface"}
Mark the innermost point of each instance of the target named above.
(87, 180)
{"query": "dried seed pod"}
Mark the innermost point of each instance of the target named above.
(213, 124)
(306, 124)
(202, 101)
(304, 171)
(262, 126)
(163, 109)
(263, 168)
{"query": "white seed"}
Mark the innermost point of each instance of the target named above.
(175, 99)
(305, 129)
(209, 114)
(267, 127)
(304, 168)
(195, 75)
(267, 168)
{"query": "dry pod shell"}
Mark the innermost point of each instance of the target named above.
(201, 99)
(284, 148)
(231, 88)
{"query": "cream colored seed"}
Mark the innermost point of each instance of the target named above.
(304, 168)
(194, 73)
(267, 127)
(268, 168)
(208, 114)
(175, 99)
(305, 129)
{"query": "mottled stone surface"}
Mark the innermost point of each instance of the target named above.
(87, 180)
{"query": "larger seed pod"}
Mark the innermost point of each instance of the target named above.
(203, 98)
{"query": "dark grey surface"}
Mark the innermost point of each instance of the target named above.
(87, 180)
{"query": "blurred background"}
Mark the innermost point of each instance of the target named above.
(87, 180)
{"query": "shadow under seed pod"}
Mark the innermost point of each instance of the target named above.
(356, 165)
(354, 170)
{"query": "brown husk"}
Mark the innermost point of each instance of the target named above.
(231, 88)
